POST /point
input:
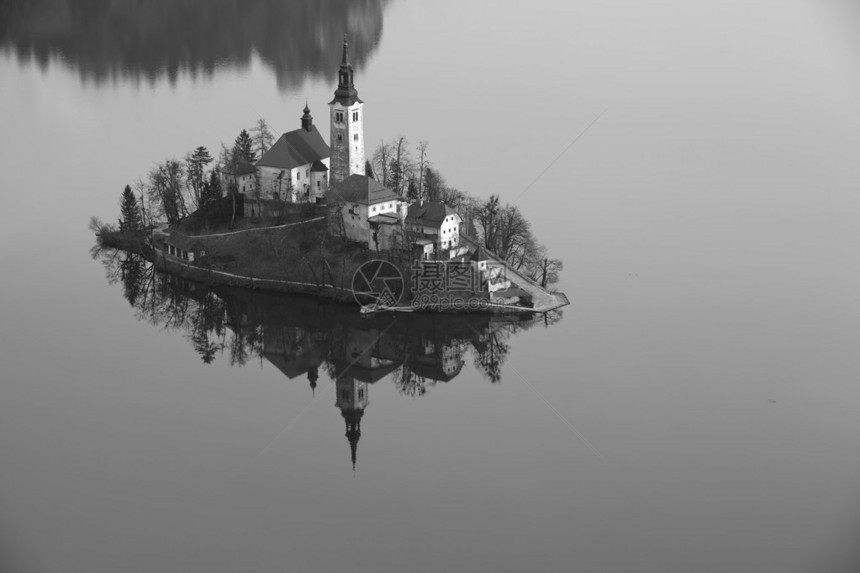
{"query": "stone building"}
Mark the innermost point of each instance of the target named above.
(243, 174)
(347, 125)
(296, 167)
(364, 203)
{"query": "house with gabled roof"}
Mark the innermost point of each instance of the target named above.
(296, 167)
(434, 221)
(243, 174)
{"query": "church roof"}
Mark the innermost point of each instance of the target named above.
(362, 189)
(296, 148)
(430, 213)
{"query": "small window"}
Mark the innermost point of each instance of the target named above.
(355, 137)
(355, 116)
(338, 116)
(339, 137)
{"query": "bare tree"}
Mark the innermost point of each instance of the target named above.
(381, 158)
(422, 166)
(262, 137)
(166, 190)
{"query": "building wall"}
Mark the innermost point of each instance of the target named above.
(268, 181)
(390, 206)
(389, 238)
(355, 222)
(319, 184)
(301, 179)
(449, 232)
(247, 184)
(346, 141)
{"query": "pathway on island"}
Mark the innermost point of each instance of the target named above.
(542, 299)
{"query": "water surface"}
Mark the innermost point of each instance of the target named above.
(695, 408)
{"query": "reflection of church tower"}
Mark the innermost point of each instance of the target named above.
(352, 400)
(347, 132)
(313, 376)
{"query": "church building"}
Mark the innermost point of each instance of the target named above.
(296, 167)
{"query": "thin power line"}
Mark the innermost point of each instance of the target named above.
(551, 163)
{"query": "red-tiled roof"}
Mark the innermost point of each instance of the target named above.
(294, 149)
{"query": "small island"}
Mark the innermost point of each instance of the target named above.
(296, 214)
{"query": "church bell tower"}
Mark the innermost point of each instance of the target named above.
(347, 125)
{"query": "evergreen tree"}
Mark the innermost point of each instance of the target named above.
(129, 211)
(196, 164)
(433, 185)
(211, 189)
(368, 169)
(243, 148)
(412, 190)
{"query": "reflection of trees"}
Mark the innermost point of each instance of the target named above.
(104, 39)
(300, 335)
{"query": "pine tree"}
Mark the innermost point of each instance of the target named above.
(243, 148)
(211, 189)
(196, 164)
(129, 211)
(412, 190)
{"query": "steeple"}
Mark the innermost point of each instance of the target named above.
(313, 375)
(344, 62)
(353, 431)
(345, 93)
(352, 400)
(307, 119)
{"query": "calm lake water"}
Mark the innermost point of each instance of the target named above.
(695, 408)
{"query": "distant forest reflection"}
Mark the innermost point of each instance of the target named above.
(300, 335)
(139, 39)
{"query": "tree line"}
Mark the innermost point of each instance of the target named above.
(176, 187)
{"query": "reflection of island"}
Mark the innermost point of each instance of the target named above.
(301, 336)
(104, 39)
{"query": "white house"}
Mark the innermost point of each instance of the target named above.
(435, 221)
(244, 175)
(296, 167)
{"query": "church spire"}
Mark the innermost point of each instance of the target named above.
(344, 62)
(307, 119)
(353, 431)
(346, 93)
